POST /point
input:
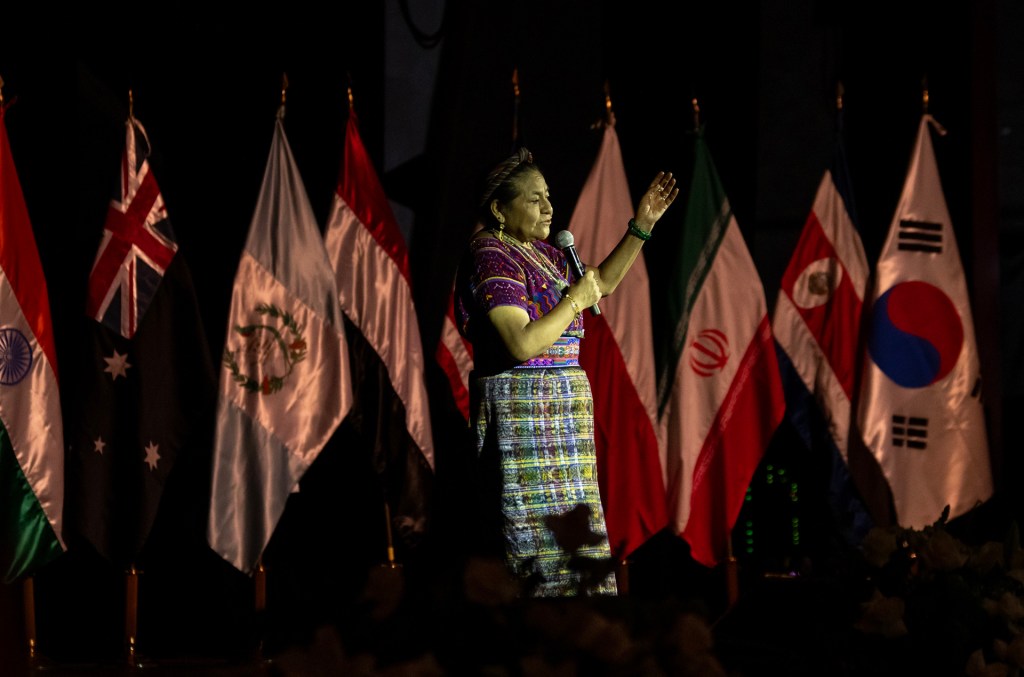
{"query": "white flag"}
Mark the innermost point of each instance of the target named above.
(920, 404)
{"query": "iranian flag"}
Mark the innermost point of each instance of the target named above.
(920, 408)
(31, 432)
(720, 396)
(617, 353)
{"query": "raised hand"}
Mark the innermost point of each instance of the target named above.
(660, 194)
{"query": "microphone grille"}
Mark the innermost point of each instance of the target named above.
(564, 239)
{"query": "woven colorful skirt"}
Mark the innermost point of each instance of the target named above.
(537, 424)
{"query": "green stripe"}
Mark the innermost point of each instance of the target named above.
(707, 216)
(27, 540)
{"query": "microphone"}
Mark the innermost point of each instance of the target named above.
(566, 242)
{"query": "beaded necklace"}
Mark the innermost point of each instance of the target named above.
(539, 261)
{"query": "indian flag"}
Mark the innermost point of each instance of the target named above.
(31, 431)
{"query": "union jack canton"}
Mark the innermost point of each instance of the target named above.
(138, 243)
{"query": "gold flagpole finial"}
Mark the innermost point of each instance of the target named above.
(131, 105)
(284, 87)
(696, 114)
(1, 91)
(351, 99)
(609, 113)
(924, 93)
(515, 114)
(839, 95)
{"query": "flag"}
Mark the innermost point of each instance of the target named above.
(146, 375)
(817, 325)
(920, 406)
(371, 264)
(719, 393)
(31, 428)
(284, 381)
(455, 356)
(617, 353)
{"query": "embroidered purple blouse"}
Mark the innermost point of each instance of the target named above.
(498, 273)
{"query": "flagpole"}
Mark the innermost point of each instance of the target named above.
(391, 563)
(131, 611)
(259, 595)
(732, 577)
(924, 94)
(29, 594)
(515, 110)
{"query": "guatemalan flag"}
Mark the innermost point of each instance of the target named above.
(284, 383)
(920, 408)
(618, 355)
(817, 322)
(720, 396)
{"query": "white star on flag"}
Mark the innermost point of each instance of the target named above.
(99, 445)
(152, 455)
(117, 365)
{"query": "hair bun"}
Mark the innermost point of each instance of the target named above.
(500, 174)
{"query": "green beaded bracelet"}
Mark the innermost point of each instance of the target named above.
(639, 232)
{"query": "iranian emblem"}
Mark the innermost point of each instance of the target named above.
(269, 352)
(15, 356)
(709, 352)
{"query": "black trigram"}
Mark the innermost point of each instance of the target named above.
(910, 432)
(920, 236)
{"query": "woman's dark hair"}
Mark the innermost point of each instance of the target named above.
(501, 183)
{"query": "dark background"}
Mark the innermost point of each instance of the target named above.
(433, 92)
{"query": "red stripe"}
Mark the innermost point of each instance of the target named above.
(19, 256)
(104, 273)
(460, 393)
(629, 469)
(739, 435)
(362, 191)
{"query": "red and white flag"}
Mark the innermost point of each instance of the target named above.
(371, 266)
(817, 313)
(920, 408)
(455, 355)
(617, 353)
(817, 322)
(719, 392)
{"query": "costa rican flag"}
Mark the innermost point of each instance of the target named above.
(138, 243)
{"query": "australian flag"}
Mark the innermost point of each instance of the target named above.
(146, 385)
(138, 243)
